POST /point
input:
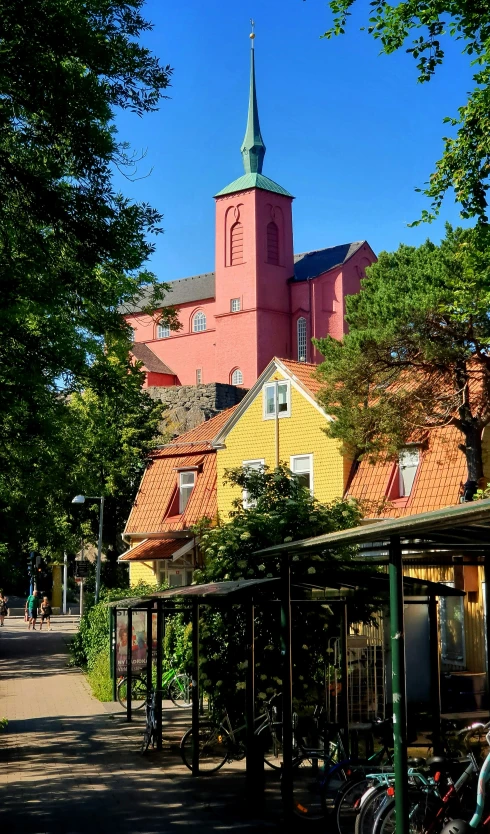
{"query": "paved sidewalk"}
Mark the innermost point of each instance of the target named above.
(69, 764)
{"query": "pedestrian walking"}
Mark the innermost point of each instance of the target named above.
(46, 612)
(32, 605)
(3, 607)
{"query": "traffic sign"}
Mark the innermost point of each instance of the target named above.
(82, 568)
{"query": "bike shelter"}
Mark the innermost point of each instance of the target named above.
(432, 539)
(284, 594)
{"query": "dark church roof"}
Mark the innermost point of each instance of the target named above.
(199, 287)
(151, 363)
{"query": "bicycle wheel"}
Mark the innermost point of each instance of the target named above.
(139, 692)
(311, 776)
(348, 802)
(214, 743)
(422, 813)
(179, 690)
(148, 737)
(370, 804)
(270, 736)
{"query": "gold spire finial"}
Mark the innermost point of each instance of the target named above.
(252, 34)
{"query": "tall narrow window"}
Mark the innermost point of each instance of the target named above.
(272, 243)
(198, 376)
(237, 377)
(257, 466)
(236, 248)
(186, 485)
(199, 322)
(301, 332)
(163, 331)
(408, 463)
(302, 467)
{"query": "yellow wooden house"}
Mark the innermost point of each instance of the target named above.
(280, 421)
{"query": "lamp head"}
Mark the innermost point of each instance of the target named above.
(78, 499)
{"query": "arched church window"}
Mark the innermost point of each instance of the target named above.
(237, 377)
(301, 333)
(236, 244)
(163, 331)
(272, 243)
(199, 322)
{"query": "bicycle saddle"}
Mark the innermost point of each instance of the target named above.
(415, 761)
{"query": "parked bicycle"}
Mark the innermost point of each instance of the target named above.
(220, 742)
(150, 734)
(175, 686)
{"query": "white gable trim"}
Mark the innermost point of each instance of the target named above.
(273, 366)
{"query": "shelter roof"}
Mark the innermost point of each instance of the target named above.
(150, 361)
(462, 527)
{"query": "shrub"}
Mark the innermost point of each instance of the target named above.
(99, 676)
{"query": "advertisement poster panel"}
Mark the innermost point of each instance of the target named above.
(138, 638)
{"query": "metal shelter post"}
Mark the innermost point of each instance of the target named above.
(486, 569)
(195, 687)
(159, 671)
(344, 671)
(129, 666)
(287, 690)
(113, 638)
(255, 759)
(149, 648)
(397, 640)
(435, 677)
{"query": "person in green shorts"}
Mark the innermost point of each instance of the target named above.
(32, 606)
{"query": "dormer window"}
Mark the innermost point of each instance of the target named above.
(404, 474)
(187, 482)
(408, 463)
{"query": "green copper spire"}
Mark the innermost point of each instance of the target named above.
(253, 148)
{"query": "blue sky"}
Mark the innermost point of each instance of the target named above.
(349, 132)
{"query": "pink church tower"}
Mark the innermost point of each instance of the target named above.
(254, 262)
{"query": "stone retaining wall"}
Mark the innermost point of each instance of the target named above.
(190, 405)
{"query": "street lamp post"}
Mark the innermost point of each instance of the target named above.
(80, 499)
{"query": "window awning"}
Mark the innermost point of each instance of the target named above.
(154, 549)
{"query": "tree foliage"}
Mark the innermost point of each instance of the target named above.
(282, 510)
(465, 163)
(72, 249)
(417, 352)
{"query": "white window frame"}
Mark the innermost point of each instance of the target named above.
(163, 331)
(460, 662)
(309, 470)
(405, 485)
(275, 384)
(199, 319)
(235, 305)
(182, 506)
(235, 382)
(198, 376)
(302, 339)
(251, 464)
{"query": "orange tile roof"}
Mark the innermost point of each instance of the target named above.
(442, 471)
(153, 549)
(305, 373)
(153, 510)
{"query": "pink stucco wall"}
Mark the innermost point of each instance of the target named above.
(271, 304)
